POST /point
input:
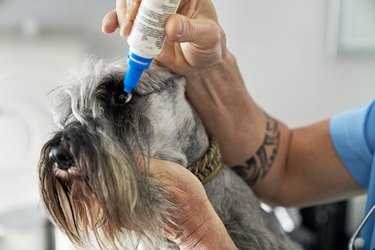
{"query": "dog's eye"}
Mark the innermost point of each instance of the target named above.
(119, 96)
(122, 98)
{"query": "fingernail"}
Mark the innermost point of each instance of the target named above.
(104, 29)
(122, 29)
(182, 27)
(104, 25)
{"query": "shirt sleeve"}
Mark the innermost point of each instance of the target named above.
(353, 136)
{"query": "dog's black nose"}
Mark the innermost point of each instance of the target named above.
(61, 157)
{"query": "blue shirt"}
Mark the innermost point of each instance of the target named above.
(353, 136)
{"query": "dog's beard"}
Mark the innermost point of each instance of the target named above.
(103, 194)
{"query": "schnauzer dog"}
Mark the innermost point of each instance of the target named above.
(90, 180)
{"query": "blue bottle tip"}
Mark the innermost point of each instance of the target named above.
(136, 66)
(132, 78)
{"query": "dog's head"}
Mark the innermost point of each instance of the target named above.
(90, 179)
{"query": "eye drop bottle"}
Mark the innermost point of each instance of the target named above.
(147, 37)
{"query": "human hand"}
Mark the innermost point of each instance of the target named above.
(199, 227)
(194, 38)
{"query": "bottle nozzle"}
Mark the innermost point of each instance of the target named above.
(136, 66)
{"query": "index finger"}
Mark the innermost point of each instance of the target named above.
(126, 13)
(121, 9)
(190, 8)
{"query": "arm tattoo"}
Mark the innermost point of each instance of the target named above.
(257, 166)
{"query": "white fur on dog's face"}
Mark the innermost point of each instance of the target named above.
(159, 96)
(173, 120)
(99, 189)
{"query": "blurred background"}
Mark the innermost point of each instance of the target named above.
(303, 61)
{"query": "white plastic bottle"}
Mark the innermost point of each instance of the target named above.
(147, 37)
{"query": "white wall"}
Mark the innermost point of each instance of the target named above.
(280, 47)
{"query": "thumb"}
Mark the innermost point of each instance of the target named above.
(202, 40)
(202, 32)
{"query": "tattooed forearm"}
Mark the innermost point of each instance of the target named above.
(258, 165)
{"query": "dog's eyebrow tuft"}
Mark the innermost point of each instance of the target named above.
(154, 80)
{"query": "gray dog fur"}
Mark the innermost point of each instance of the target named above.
(102, 195)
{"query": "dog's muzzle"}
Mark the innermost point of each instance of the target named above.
(61, 157)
